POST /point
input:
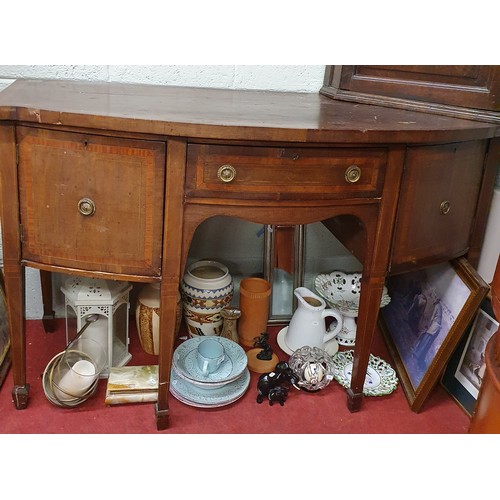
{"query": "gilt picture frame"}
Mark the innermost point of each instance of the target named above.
(429, 311)
(464, 371)
(4, 334)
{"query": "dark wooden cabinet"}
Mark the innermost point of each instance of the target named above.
(437, 204)
(84, 198)
(112, 180)
(462, 91)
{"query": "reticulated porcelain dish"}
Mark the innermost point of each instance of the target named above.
(380, 378)
(342, 291)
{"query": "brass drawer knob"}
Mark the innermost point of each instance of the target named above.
(226, 173)
(86, 206)
(445, 207)
(353, 174)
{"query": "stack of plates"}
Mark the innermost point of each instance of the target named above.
(220, 388)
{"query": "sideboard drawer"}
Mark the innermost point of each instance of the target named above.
(284, 173)
(438, 202)
(91, 202)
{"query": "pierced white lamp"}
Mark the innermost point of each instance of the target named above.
(110, 300)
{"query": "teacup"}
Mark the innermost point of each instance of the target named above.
(210, 355)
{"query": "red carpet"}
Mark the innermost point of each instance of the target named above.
(324, 412)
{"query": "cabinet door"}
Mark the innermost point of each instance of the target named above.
(438, 203)
(90, 202)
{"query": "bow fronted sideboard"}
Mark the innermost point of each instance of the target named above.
(112, 180)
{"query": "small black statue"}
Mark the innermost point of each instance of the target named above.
(275, 385)
(278, 394)
(263, 342)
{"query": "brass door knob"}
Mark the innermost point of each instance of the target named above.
(353, 174)
(86, 206)
(445, 207)
(226, 173)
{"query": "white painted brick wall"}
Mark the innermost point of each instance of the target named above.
(263, 77)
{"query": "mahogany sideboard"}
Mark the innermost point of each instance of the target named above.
(111, 180)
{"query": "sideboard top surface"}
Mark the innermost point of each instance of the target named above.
(226, 114)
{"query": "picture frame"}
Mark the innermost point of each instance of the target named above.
(5, 360)
(429, 311)
(464, 371)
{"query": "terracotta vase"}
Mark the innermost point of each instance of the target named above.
(207, 287)
(254, 306)
(147, 317)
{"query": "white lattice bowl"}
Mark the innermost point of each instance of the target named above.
(342, 291)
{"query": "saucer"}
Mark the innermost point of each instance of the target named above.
(186, 366)
(380, 378)
(331, 347)
(194, 395)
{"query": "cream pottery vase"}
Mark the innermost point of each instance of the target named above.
(307, 326)
(147, 317)
(207, 287)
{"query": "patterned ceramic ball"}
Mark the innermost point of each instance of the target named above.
(314, 373)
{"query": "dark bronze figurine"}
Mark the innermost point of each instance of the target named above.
(263, 342)
(275, 385)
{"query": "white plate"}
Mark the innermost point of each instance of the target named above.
(194, 395)
(380, 378)
(331, 347)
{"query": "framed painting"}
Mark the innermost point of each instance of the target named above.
(4, 334)
(464, 372)
(429, 311)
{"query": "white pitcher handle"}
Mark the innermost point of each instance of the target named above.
(334, 314)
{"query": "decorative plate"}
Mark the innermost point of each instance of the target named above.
(331, 347)
(380, 378)
(186, 366)
(194, 395)
(342, 291)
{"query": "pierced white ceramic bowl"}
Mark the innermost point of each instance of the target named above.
(342, 292)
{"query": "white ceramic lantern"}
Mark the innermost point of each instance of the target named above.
(108, 299)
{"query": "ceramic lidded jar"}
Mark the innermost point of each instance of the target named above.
(207, 287)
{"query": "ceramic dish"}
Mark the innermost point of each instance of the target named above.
(331, 347)
(342, 291)
(194, 395)
(380, 378)
(186, 366)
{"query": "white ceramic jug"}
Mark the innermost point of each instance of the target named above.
(307, 326)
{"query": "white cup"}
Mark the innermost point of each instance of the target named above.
(78, 368)
(210, 355)
(76, 381)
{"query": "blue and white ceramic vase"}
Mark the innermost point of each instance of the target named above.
(207, 287)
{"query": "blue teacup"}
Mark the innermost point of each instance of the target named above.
(210, 356)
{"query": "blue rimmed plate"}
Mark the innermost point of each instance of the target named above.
(186, 366)
(194, 395)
